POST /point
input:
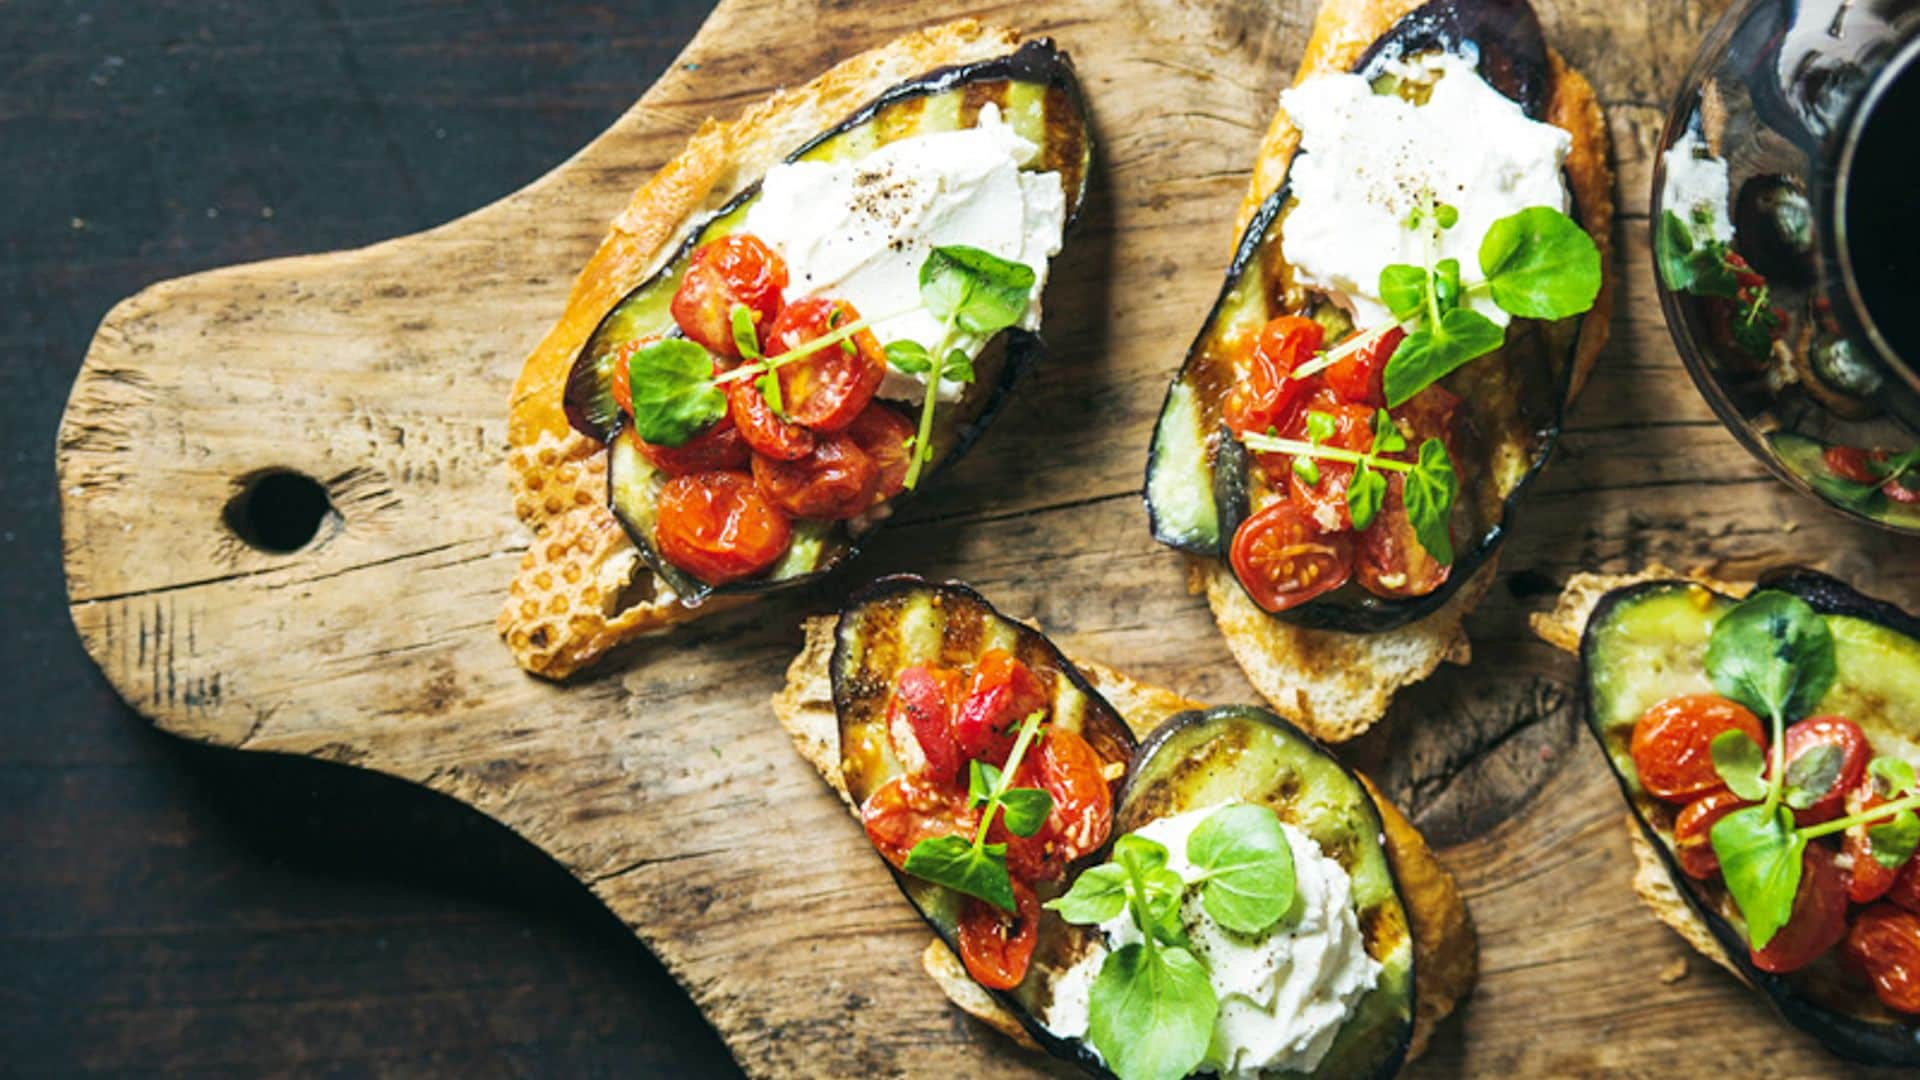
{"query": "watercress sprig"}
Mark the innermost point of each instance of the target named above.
(971, 292)
(1773, 654)
(976, 867)
(1152, 1008)
(1538, 264)
(1429, 490)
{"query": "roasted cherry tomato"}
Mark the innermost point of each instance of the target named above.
(1692, 832)
(1905, 890)
(736, 269)
(718, 447)
(833, 483)
(1672, 744)
(826, 389)
(1067, 767)
(1884, 945)
(1283, 559)
(1265, 398)
(996, 945)
(1388, 559)
(1358, 378)
(1848, 742)
(1428, 414)
(904, 811)
(1849, 463)
(1002, 693)
(1819, 918)
(1867, 880)
(765, 432)
(883, 433)
(718, 527)
(1325, 499)
(920, 721)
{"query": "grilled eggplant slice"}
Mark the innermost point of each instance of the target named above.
(1201, 759)
(1648, 642)
(903, 620)
(1036, 91)
(1198, 482)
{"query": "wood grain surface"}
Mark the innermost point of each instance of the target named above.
(662, 783)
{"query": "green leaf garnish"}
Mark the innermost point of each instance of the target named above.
(1246, 866)
(1741, 763)
(1364, 494)
(1892, 843)
(1891, 776)
(1446, 216)
(1430, 491)
(745, 337)
(1759, 853)
(1430, 352)
(1386, 437)
(979, 291)
(1151, 1012)
(909, 356)
(1811, 774)
(1098, 894)
(1025, 810)
(1700, 269)
(1774, 654)
(1540, 264)
(674, 395)
(978, 868)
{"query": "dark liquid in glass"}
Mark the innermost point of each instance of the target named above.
(1882, 209)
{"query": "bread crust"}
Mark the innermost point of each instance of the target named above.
(1446, 953)
(1323, 680)
(581, 588)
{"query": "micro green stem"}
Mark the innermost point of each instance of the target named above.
(1275, 445)
(801, 352)
(1349, 347)
(1864, 817)
(1776, 778)
(1027, 729)
(922, 451)
(1137, 903)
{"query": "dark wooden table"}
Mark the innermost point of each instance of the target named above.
(163, 905)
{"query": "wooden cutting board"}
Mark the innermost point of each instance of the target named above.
(662, 782)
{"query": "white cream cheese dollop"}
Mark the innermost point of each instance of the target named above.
(1283, 995)
(859, 230)
(1697, 187)
(1366, 158)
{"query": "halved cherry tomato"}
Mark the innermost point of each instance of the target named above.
(1325, 500)
(883, 433)
(903, 811)
(718, 527)
(736, 269)
(1846, 739)
(833, 483)
(718, 447)
(1884, 946)
(1819, 918)
(765, 432)
(1068, 768)
(997, 946)
(1002, 693)
(1265, 398)
(920, 716)
(1672, 744)
(1428, 414)
(828, 388)
(1358, 378)
(1283, 559)
(1388, 558)
(1849, 463)
(1867, 880)
(620, 379)
(1692, 832)
(1905, 890)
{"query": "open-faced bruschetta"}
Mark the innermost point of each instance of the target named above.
(795, 321)
(1133, 882)
(1421, 284)
(1766, 739)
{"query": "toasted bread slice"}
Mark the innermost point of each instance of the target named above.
(1562, 628)
(582, 588)
(1446, 954)
(1336, 685)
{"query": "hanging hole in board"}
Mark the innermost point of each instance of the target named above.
(278, 510)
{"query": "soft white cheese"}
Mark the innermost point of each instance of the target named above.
(1366, 159)
(859, 230)
(1696, 188)
(1283, 996)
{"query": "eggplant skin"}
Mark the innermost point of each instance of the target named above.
(901, 620)
(1839, 1010)
(1205, 757)
(1532, 373)
(1036, 75)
